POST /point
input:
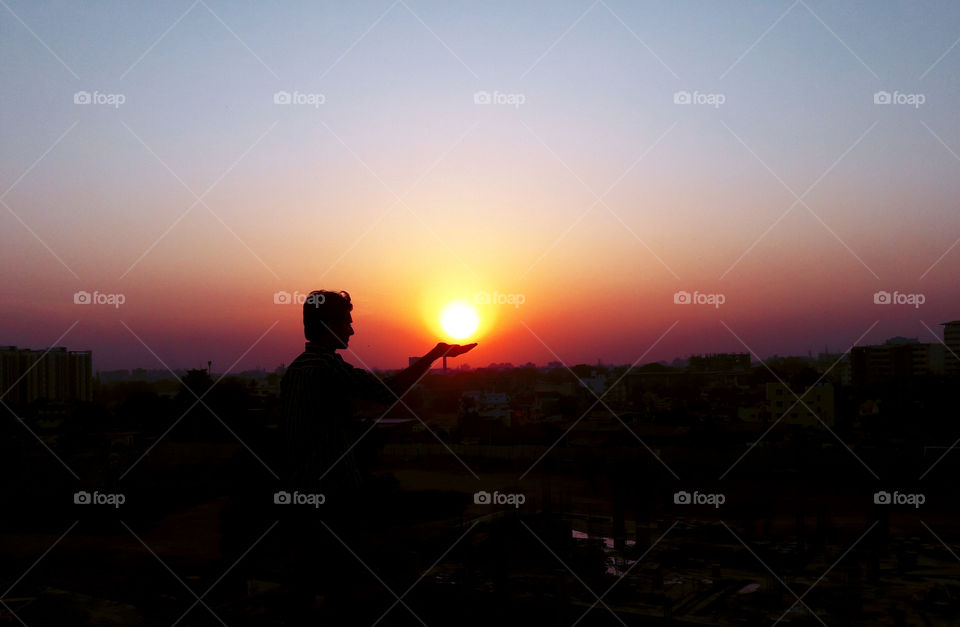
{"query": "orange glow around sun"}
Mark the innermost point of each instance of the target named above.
(452, 311)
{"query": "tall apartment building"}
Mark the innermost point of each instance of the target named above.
(54, 374)
(897, 360)
(951, 337)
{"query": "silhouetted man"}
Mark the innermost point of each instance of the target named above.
(318, 389)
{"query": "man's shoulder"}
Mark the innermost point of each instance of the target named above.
(310, 359)
(313, 360)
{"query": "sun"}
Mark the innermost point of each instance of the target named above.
(459, 320)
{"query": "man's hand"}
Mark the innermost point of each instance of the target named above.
(409, 377)
(451, 350)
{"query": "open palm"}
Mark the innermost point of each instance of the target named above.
(453, 350)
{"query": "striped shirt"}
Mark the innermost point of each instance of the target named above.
(319, 431)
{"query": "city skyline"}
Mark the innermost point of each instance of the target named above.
(941, 355)
(941, 339)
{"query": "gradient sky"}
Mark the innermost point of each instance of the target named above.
(403, 191)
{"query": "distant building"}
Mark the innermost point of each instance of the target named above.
(595, 382)
(649, 377)
(139, 374)
(721, 370)
(902, 340)
(553, 390)
(111, 376)
(897, 359)
(485, 415)
(490, 405)
(9, 370)
(818, 398)
(951, 337)
(53, 374)
(720, 362)
(836, 367)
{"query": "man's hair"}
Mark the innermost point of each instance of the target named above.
(321, 309)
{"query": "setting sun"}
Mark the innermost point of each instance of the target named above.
(459, 320)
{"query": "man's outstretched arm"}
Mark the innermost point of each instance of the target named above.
(404, 380)
(361, 383)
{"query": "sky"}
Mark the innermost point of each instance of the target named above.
(782, 163)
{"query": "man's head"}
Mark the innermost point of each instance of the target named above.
(326, 318)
